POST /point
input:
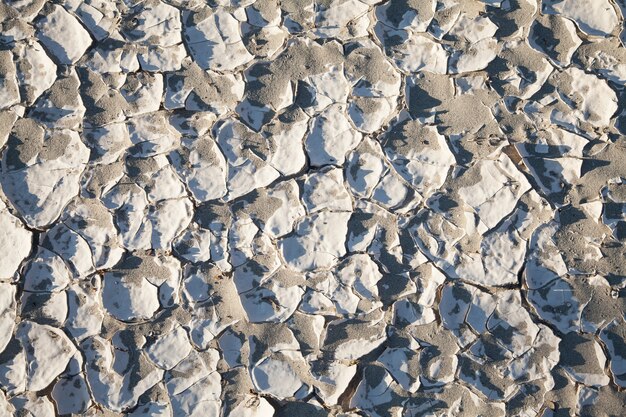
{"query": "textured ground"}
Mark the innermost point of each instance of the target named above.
(294, 208)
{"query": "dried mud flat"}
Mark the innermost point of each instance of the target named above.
(294, 208)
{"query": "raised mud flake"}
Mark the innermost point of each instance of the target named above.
(169, 349)
(107, 143)
(94, 224)
(369, 113)
(270, 86)
(392, 193)
(555, 36)
(8, 313)
(407, 313)
(318, 241)
(403, 363)
(419, 154)
(247, 156)
(48, 351)
(201, 398)
(496, 192)
(33, 405)
(472, 29)
(597, 20)
(16, 241)
(41, 171)
(253, 255)
(204, 287)
(364, 167)
(360, 273)
(160, 59)
(8, 407)
(8, 119)
(263, 41)
(596, 101)
(333, 378)
(85, 312)
(253, 406)
(100, 18)
(143, 92)
(349, 339)
(342, 19)
(276, 377)
(139, 286)
(9, 91)
(150, 204)
(72, 248)
(415, 52)
(325, 184)
(464, 248)
(584, 360)
(519, 70)
(614, 204)
(46, 272)
(202, 166)
(194, 244)
(61, 106)
(110, 386)
(44, 308)
(156, 23)
(132, 300)
(456, 398)
(194, 367)
(403, 15)
(195, 89)
(13, 367)
(614, 338)
(71, 395)
(64, 37)
(555, 161)
(276, 365)
(286, 139)
(214, 40)
(275, 299)
(318, 91)
(276, 208)
(331, 137)
(476, 46)
(377, 392)
(151, 134)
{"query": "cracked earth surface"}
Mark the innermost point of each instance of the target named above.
(312, 208)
